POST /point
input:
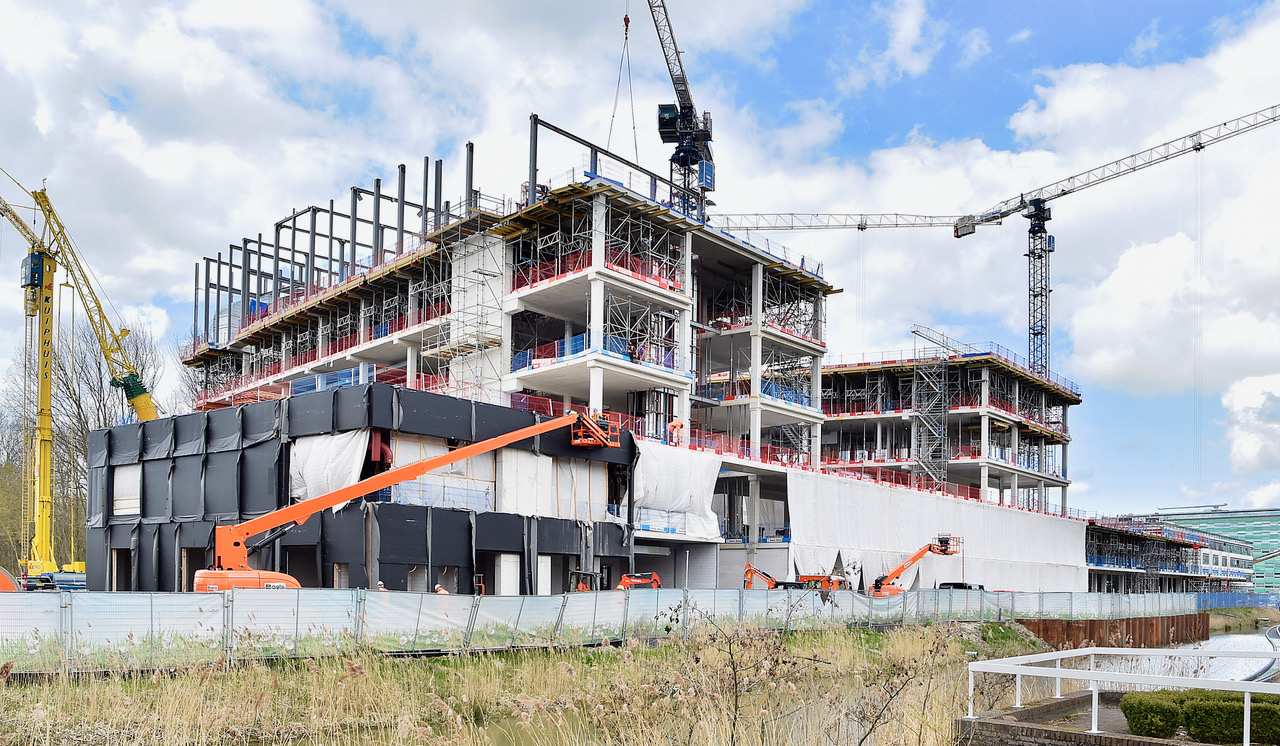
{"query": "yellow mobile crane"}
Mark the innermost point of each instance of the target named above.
(37, 280)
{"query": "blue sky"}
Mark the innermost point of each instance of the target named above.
(168, 130)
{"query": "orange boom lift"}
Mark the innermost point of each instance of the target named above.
(231, 547)
(883, 587)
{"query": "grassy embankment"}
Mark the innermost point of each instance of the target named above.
(1241, 621)
(730, 687)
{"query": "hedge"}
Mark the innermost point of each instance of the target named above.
(1209, 716)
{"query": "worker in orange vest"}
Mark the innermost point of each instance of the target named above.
(440, 590)
(673, 431)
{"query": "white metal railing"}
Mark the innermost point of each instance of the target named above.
(1034, 666)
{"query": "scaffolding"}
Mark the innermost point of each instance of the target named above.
(792, 308)
(642, 331)
(929, 400)
(466, 350)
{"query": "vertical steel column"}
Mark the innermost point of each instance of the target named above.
(439, 194)
(206, 300)
(377, 223)
(533, 159)
(400, 210)
(469, 199)
(275, 266)
(244, 285)
(355, 201)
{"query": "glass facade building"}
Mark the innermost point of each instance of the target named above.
(1262, 527)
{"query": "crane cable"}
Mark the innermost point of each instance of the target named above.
(625, 59)
(1197, 342)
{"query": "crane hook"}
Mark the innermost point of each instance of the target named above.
(626, 26)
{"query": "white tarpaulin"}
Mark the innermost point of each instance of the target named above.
(320, 464)
(875, 527)
(679, 480)
(570, 488)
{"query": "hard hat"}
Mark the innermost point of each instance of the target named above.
(438, 586)
(380, 585)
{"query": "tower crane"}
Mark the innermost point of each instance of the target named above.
(1031, 205)
(37, 280)
(691, 165)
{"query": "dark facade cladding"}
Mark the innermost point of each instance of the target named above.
(223, 466)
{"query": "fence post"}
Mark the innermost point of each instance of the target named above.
(66, 631)
(684, 616)
(228, 622)
(564, 601)
(297, 620)
(359, 617)
(471, 621)
(742, 600)
(151, 621)
(626, 610)
(417, 621)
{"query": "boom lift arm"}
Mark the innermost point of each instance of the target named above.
(231, 543)
(884, 585)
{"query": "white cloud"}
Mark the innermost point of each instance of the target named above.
(1146, 44)
(1266, 496)
(974, 45)
(913, 42)
(1020, 36)
(1253, 423)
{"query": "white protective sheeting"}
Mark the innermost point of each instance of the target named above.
(126, 490)
(874, 527)
(320, 464)
(570, 488)
(679, 480)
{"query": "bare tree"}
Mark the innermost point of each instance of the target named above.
(83, 400)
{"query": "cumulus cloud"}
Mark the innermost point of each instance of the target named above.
(974, 45)
(1266, 496)
(1020, 36)
(914, 40)
(1253, 423)
(1145, 46)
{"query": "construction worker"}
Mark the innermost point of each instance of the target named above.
(673, 431)
(381, 586)
(440, 590)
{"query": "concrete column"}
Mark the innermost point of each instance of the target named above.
(984, 474)
(753, 516)
(544, 575)
(757, 353)
(411, 357)
(595, 319)
(1013, 488)
(599, 229)
(595, 402)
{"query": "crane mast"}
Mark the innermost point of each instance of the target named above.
(691, 165)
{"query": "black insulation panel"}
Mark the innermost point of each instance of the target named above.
(221, 486)
(157, 439)
(450, 537)
(223, 431)
(394, 577)
(492, 421)
(261, 421)
(558, 536)
(608, 540)
(187, 487)
(148, 557)
(425, 413)
(351, 410)
(98, 447)
(499, 532)
(126, 440)
(343, 541)
(156, 490)
(402, 533)
(97, 558)
(96, 508)
(260, 479)
(189, 434)
(311, 414)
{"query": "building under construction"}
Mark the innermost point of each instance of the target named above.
(1146, 554)
(399, 325)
